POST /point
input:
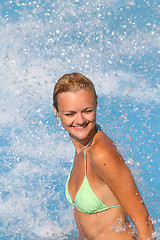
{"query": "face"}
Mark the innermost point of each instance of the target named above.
(77, 112)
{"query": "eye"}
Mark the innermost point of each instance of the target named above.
(69, 114)
(88, 110)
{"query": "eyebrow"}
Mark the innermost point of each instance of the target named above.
(70, 111)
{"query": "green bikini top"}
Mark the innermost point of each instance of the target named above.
(86, 200)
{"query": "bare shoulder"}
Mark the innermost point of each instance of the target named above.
(104, 149)
(105, 154)
(110, 166)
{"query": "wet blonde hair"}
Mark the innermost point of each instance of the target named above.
(72, 82)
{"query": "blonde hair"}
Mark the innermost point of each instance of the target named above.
(72, 82)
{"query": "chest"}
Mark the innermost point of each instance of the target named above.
(77, 175)
(82, 168)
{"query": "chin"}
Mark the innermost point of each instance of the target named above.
(79, 136)
(81, 133)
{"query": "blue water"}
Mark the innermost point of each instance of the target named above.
(114, 43)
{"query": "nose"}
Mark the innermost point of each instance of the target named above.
(80, 118)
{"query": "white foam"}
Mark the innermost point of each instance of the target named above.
(41, 44)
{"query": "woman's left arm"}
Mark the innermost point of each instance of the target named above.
(133, 205)
(110, 165)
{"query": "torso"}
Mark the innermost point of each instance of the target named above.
(100, 226)
(103, 225)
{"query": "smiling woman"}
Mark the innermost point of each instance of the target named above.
(78, 117)
(100, 185)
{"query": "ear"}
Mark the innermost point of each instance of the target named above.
(55, 110)
(96, 103)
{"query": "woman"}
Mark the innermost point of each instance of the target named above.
(100, 185)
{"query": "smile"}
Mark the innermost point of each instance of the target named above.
(80, 127)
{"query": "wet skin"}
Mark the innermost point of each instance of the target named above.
(107, 173)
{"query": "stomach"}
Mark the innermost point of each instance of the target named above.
(106, 225)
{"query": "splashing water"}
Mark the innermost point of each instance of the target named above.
(114, 43)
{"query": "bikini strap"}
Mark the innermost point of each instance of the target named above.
(98, 129)
(85, 162)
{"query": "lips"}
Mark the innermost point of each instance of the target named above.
(80, 127)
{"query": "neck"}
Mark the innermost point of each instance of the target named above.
(80, 144)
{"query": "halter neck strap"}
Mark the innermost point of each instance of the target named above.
(98, 128)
